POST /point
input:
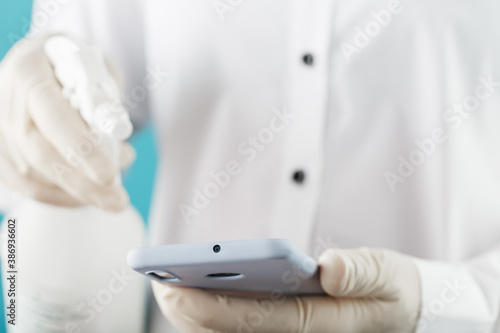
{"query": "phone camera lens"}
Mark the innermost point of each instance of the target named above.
(217, 248)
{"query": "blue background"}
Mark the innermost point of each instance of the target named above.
(139, 178)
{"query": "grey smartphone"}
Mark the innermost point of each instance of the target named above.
(252, 265)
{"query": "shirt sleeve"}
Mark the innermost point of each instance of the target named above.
(460, 297)
(116, 26)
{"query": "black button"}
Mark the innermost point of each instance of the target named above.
(308, 59)
(299, 176)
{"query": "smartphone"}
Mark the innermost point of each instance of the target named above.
(251, 265)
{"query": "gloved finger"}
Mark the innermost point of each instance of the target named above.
(127, 155)
(186, 326)
(24, 66)
(64, 128)
(226, 314)
(56, 169)
(178, 319)
(37, 151)
(31, 185)
(12, 123)
(359, 272)
(290, 314)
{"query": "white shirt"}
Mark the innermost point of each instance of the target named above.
(393, 122)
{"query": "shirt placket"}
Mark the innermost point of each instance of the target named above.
(307, 100)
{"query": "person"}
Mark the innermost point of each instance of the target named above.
(366, 130)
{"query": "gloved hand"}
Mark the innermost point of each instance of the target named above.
(47, 151)
(370, 290)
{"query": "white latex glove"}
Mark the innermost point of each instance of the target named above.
(46, 148)
(370, 290)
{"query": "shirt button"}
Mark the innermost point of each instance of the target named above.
(308, 59)
(299, 176)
